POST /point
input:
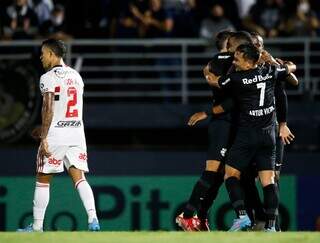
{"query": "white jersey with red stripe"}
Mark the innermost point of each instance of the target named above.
(67, 125)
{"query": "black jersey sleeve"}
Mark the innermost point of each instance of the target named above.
(281, 102)
(225, 82)
(281, 72)
(220, 63)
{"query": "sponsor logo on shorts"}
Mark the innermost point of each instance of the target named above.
(68, 124)
(55, 162)
(83, 157)
(223, 152)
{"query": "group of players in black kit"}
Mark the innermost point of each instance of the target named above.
(247, 132)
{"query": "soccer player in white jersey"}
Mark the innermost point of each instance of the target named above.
(62, 135)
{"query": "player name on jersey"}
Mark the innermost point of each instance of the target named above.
(257, 78)
(262, 112)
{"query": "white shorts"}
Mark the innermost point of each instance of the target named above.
(63, 155)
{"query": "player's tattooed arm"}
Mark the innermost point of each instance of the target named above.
(211, 78)
(47, 115)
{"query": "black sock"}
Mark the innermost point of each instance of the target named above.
(253, 203)
(198, 193)
(210, 196)
(271, 201)
(278, 225)
(236, 195)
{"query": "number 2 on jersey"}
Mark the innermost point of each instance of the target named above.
(261, 86)
(71, 112)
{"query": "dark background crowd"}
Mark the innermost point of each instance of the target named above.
(65, 19)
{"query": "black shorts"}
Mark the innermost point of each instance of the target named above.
(256, 145)
(220, 135)
(279, 151)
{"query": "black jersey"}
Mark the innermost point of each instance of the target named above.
(220, 65)
(253, 91)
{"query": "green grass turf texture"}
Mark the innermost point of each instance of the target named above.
(160, 237)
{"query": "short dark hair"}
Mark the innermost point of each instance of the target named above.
(242, 37)
(56, 46)
(250, 52)
(221, 38)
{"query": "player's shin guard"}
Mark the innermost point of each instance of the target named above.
(271, 201)
(210, 196)
(40, 203)
(87, 198)
(236, 195)
(206, 180)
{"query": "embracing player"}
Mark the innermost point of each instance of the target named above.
(253, 89)
(62, 135)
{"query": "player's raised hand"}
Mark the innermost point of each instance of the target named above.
(285, 134)
(195, 118)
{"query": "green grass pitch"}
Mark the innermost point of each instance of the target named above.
(160, 237)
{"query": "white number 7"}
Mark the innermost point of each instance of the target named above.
(261, 86)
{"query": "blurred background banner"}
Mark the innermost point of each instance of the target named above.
(124, 203)
(142, 83)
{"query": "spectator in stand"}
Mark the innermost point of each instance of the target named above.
(315, 6)
(21, 21)
(244, 7)
(302, 21)
(231, 12)
(130, 21)
(187, 20)
(1, 27)
(43, 9)
(215, 23)
(264, 17)
(54, 27)
(157, 21)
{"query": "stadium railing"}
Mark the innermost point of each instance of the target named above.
(161, 69)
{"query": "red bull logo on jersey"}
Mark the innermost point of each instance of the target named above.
(257, 78)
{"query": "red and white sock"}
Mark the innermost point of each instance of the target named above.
(40, 203)
(87, 198)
